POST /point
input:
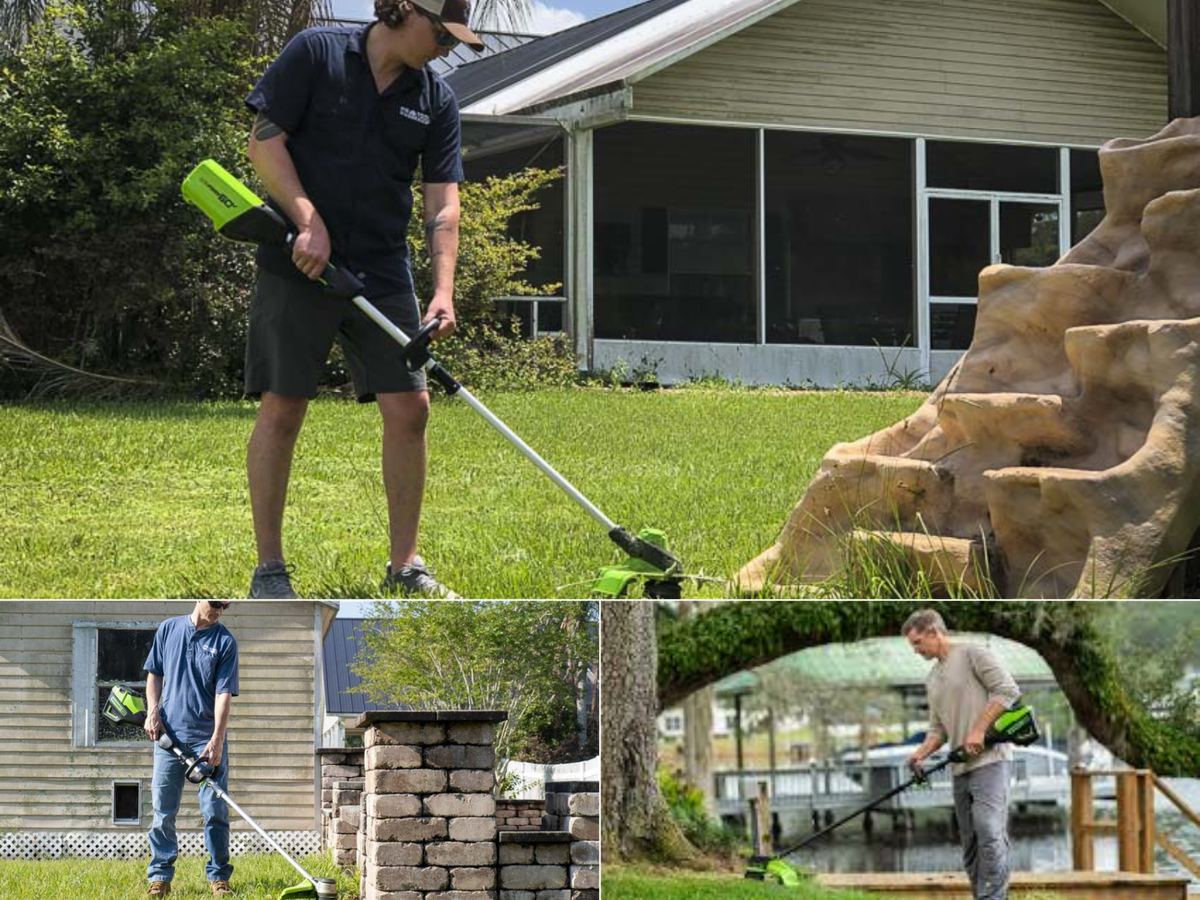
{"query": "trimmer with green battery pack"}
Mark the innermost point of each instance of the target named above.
(238, 214)
(127, 706)
(1016, 725)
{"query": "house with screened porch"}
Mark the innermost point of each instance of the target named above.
(804, 191)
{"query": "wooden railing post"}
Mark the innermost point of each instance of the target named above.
(1145, 791)
(1127, 822)
(760, 822)
(1082, 852)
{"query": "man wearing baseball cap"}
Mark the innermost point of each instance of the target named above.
(344, 118)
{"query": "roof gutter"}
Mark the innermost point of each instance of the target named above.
(605, 104)
(579, 71)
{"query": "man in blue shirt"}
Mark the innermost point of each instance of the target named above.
(191, 680)
(344, 117)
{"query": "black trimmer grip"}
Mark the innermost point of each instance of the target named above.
(340, 282)
(646, 551)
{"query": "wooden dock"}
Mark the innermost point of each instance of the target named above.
(1068, 885)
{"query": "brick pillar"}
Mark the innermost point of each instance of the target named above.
(574, 807)
(341, 789)
(429, 809)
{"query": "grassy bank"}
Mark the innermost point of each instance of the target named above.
(149, 499)
(635, 883)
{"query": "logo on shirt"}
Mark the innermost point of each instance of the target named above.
(210, 650)
(415, 115)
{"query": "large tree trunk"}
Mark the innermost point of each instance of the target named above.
(636, 822)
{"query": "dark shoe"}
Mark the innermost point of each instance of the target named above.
(415, 580)
(221, 889)
(160, 888)
(272, 581)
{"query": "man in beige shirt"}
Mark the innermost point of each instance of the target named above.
(968, 689)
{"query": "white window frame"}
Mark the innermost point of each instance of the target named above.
(85, 640)
(125, 782)
(925, 299)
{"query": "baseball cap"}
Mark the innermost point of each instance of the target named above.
(454, 14)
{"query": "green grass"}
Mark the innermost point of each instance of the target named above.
(255, 877)
(143, 499)
(634, 883)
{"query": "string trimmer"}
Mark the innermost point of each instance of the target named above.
(239, 215)
(127, 706)
(1015, 725)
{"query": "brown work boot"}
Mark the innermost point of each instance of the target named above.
(221, 889)
(160, 888)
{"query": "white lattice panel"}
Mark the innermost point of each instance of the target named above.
(123, 845)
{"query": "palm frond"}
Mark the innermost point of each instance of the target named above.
(53, 378)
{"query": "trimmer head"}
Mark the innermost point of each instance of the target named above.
(661, 581)
(763, 868)
(320, 889)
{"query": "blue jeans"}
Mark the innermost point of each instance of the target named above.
(167, 791)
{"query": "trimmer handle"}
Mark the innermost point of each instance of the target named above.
(198, 770)
(416, 353)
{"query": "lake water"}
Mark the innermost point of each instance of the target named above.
(1041, 841)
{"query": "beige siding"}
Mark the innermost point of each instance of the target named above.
(1060, 71)
(46, 783)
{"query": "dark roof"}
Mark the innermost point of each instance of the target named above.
(476, 80)
(493, 42)
(342, 645)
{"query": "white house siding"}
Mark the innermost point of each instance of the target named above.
(48, 784)
(1056, 71)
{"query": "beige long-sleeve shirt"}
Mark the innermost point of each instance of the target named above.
(959, 689)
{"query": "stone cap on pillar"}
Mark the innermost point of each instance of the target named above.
(385, 716)
(572, 787)
(535, 837)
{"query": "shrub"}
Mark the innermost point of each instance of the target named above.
(101, 263)
(686, 804)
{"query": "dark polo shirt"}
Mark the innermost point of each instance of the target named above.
(356, 150)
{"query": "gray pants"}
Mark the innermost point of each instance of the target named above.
(981, 807)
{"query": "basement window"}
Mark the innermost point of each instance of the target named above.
(127, 803)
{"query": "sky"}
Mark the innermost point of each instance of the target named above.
(547, 15)
(353, 609)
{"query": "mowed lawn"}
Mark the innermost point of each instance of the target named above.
(149, 499)
(637, 883)
(255, 877)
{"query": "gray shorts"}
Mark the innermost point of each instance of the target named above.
(292, 329)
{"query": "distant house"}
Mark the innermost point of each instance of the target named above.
(804, 191)
(342, 698)
(71, 783)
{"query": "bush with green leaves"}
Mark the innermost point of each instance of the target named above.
(686, 804)
(102, 265)
(524, 658)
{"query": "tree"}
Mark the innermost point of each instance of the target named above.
(732, 637)
(636, 820)
(518, 657)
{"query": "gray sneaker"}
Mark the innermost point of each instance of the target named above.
(415, 580)
(272, 581)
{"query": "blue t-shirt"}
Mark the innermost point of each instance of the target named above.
(356, 150)
(195, 665)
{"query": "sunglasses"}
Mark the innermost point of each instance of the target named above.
(443, 37)
(215, 605)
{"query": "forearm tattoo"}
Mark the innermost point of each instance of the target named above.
(265, 129)
(435, 227)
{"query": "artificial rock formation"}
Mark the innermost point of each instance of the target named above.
(1060, 456)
